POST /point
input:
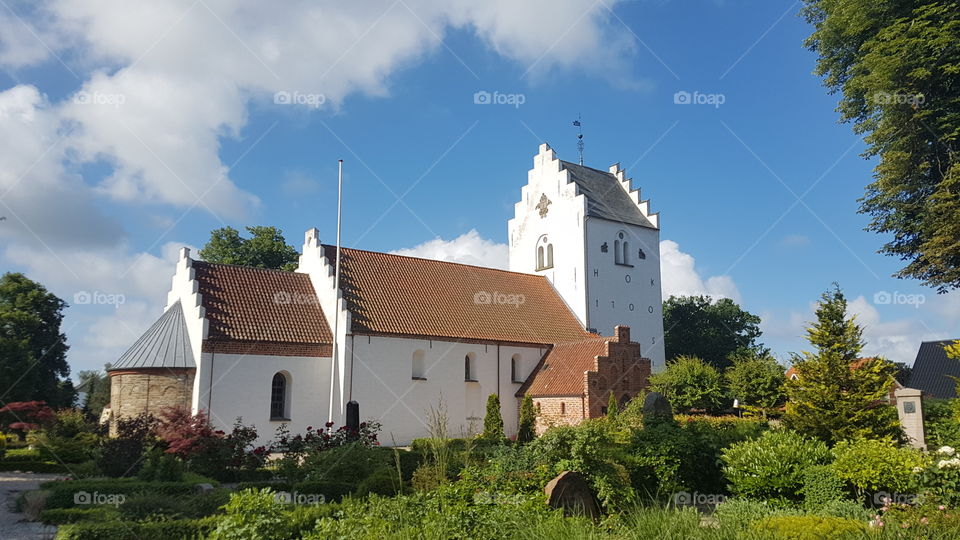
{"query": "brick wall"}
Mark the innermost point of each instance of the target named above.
(148, 390)
(557, 411)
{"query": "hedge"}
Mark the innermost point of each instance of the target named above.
(33, 466)
(138, 530)
(62, 493)
(62, 516)
(331, 491)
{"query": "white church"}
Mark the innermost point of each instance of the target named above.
(576, 318)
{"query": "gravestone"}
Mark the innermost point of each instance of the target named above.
(571, 492)
(656, 407)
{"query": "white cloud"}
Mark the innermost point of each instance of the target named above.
(681, 278)
(468, 248)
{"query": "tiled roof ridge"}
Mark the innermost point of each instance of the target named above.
(275, 270)
(433, 260)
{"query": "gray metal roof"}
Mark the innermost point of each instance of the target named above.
(164, 345)
(932, 370)
(605, 198)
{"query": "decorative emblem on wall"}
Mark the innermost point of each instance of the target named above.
(604, 248)
(642, 255)
(543, 204)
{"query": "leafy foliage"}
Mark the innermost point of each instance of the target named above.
(821, 486)
(872, 466)
(757, 381)
(897, 67)
(96, 384)
(33, 350)
(690, 384)
(709, 329)
(528, 418)
(773, 465)
(836, 396)
(493, 421)
(266, 248)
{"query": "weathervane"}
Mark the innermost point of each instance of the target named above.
(579, 137)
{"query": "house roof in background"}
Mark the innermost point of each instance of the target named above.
(561, 373)
(932, 370)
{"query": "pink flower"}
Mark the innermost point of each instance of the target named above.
(941, 507)
(924, 521)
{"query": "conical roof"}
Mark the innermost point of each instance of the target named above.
(164, 345)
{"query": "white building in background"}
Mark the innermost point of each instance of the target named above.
(414, 333)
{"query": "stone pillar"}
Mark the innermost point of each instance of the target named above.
(910, 410)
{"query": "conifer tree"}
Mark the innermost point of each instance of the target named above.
(612, 406)
(528, 418)
(837, 396)
(493, 422)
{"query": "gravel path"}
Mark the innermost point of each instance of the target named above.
(12, 524)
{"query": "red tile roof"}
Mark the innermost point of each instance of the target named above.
(397, 295)
(256, 304)
(562, 371)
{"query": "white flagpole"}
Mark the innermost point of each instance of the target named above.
(336, 287)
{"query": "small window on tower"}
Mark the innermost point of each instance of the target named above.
(621, 250)
(544, 253)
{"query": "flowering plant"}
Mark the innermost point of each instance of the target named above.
(940, 479)
(295, 449)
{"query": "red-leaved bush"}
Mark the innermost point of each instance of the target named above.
(26, 415)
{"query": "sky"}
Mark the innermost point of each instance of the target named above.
(132, 129)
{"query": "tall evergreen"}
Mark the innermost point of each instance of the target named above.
(528, 418)
(493, 422)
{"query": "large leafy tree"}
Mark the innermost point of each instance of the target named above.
(837, 395)
(896, 64)
(266, 248)
(690, 384)
(96, 385)
(757, 381)
(33, 350)
(707, 329)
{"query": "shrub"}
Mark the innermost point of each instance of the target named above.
(690, 384)
(772, 466)
(34, 466)
(382, 482)
(349, 463)
(810, 527)
(821, 485)
(62, 494)
(160, 467)
(75, 449)
(940, 480)
(251, 514)
(871, 466)
(22, 454)
(738, 514)
(120, 456)
(493, 421)
(153, 507)
(528, 419)
(941, 423)
(62, 516)
(145, 530)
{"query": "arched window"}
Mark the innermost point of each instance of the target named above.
(515, 368)
(278, 397)
(418, 369)
(617, 253)
(563, 408)
(621, 249)
(626, 252)
(544, 253)
(468, 368)
(538, 407)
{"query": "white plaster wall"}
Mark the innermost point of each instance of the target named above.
(563, 226)
(622, 294)
(240, 385)
(385, 390)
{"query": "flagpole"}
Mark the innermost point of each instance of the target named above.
(336, 291)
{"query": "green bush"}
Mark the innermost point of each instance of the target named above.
(62, 516)
(76, 449)
(153, 507)
(34, 466)
(382, 482)
(348, 463)
(772, 466)
(738, 513)
(872, 466)
(251, 514)
(133, 530)
(161, 467)
(22, 454)
(941, 423)
(61, 494)
(809, 527)
(821, 485)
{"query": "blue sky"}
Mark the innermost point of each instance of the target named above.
(177, 132)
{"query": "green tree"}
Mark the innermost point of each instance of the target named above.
(897, 66)
(96, 385)
(492, 421)
(711, 330)
(33, 363)
(612, 406)
(528, 418)
(757, 381)
(837, 396)
(266, 248)
(690, 384)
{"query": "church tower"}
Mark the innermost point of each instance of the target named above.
(589, 233)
